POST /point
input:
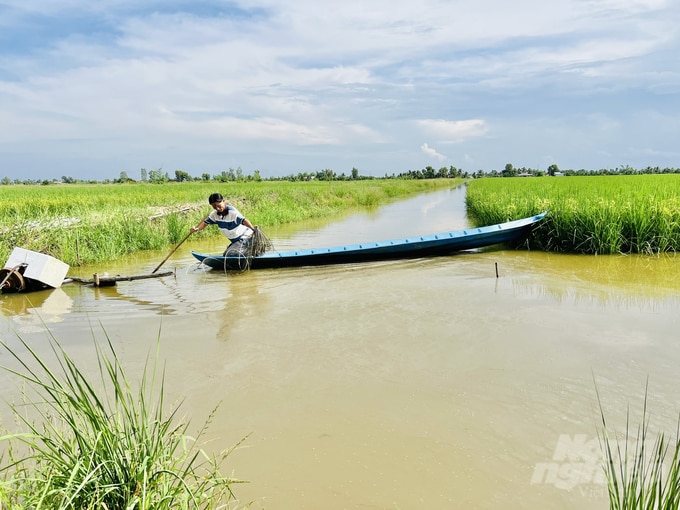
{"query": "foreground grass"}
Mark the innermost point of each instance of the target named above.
(642, 473)
(86, 224)
(109, 448)
(592, 215)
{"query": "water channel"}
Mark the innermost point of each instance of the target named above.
(427, 383)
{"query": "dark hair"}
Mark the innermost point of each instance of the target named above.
(214, 198)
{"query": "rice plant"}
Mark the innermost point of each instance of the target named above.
(102, 444)
(590, 215)
(642, 473)
(87, 224)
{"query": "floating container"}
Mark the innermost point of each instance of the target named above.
(30, 270)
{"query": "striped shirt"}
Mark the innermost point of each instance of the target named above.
(230, 223)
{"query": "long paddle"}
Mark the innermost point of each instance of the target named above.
(173, 251)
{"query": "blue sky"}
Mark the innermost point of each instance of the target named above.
(91, 89)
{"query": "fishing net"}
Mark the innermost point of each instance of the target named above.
(259, 243)
(239, 254)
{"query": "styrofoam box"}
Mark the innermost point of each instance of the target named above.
(41, 267)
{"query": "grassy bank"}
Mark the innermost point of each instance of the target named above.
(86, 224)
(99, 443)
(592, 215)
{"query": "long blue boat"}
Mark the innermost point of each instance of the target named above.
(413, 247)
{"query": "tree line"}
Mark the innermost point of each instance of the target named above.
(159, 176)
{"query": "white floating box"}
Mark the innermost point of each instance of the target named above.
(40, 267)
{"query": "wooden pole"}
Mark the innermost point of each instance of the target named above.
(173, 251)
(104, 280)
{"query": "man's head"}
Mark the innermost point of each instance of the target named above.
(217, 202)
(214, 198)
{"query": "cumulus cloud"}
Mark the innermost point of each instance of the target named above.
(306, 85)
(432, 152)
(455, 131)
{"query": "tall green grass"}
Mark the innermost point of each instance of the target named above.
(103, 444)
(87, 224)
(592, 215)
(643, 473)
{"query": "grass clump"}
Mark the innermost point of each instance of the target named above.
(642, 473)
(103, 445)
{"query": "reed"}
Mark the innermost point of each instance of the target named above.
(86, 224)
(591, 215)
(102, 443)
(643, 473)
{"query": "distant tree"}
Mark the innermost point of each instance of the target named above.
(326, 175)
(221, 177)
(509, 171)
(627, 170)
(144, 175)
(205, 177)
(6, 181)
(157, 176)
(256, 176)
(67, 180)
(355, 173)
(552, 170)
(181, 176)
(302, 176)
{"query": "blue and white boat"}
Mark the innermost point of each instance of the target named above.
(413, 247)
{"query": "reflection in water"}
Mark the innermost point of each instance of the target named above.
(28, 311)
(427, 383)
(426, 214)
(242, 300)
(618, 280)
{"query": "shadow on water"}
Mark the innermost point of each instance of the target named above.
(425, 383)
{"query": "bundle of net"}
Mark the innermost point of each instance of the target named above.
(259, 243)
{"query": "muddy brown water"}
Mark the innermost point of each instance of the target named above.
(427, 383)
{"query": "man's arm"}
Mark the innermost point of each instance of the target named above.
(247, 223)
(198, 227)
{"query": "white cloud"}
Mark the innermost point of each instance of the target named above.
(307, 85)
(455, 131)
(432, 152)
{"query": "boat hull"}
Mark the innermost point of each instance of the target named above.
(414, 247)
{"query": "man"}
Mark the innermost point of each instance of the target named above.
(231, 222)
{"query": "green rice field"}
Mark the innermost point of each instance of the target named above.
(85, 224)
(590, 215)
